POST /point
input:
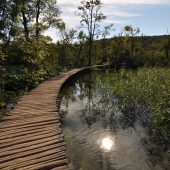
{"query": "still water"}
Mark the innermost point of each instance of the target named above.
(98, 136)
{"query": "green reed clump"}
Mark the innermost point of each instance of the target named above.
(147, 89)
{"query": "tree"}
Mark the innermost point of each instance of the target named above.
(25, 12)
(47, 15)
(81, 43)
(66, 47)
(91, 16)
(32, 17)
(3, 16)
(2, 58)
(131, 35)
(35, 53)
(8, 13)
(104, 44)
(35, 16)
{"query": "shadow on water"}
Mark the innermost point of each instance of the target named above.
(99, 136)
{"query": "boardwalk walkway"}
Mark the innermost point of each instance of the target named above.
(31, 137)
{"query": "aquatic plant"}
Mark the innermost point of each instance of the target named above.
(146, 90)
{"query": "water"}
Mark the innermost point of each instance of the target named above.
(98, 136)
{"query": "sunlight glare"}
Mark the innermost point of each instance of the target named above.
(107, 144)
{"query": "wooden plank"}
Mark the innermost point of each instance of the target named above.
(28, 144)
(31, 154)
(14, 126)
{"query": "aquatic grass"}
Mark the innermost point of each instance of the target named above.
(147, 88)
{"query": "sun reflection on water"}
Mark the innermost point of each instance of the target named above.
(107, 144)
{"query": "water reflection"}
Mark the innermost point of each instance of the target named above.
(98, 135)
(107, 144)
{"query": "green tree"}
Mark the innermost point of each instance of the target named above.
(8, 13)
(66, 46)
(35, 53)
(35, 16)
(47, 14)
(2, 58)
(131, 36)
(91, 16)
(80, 45)
(104, 42)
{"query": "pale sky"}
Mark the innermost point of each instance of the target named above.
(151, 16)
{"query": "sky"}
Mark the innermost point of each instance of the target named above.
(151, 16)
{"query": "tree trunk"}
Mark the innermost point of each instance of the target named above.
(37, 32)
(25, 24)
(79, 53)
(104, 52)
(90, 51)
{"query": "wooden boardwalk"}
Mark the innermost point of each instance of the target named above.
(31, 136)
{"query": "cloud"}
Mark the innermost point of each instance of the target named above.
(121, 13)
(71, 20)
(53, 34)
(118, 12)
(122, 2)
(69, 2)
(69, 7)
(109, 21)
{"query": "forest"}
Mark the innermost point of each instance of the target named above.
(28, 57)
